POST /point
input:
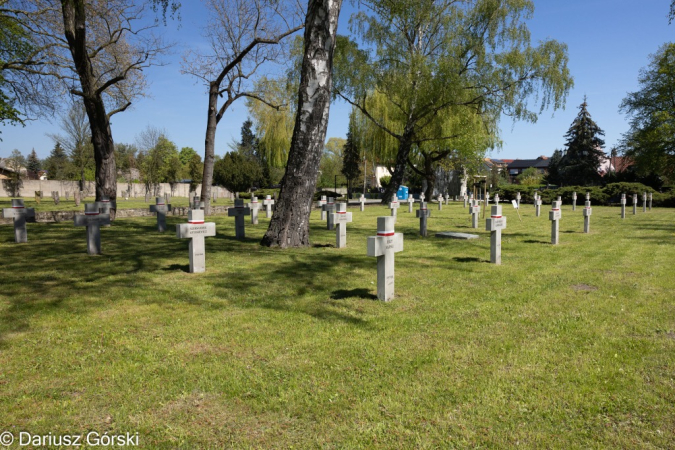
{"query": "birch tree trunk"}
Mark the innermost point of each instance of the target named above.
(289, 226)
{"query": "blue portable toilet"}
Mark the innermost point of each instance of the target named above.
(402, 193)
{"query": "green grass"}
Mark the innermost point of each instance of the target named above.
(568, 346)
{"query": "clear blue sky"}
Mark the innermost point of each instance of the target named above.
(609, 41)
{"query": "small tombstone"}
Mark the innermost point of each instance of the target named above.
(268, 202)
(423, 213)
(518, 200)
(496, 199)
(623, 206)
(329, 209)
(537, 203)
(587, 214)
(236, 195)
(254, 206)
(320, 203)
(394, 205)
(410, 201)
(21, 215)
(495, 224)
(440, 202)
(196, 230)
(38, 197)
(635, 201)
(559, 199)
(644, 202)
(77, 197)
(55, 197)
(384, 246)
(362, 201)
(197, 203)
(161, 208)
(93, 219)
(447, 199)
(474, 210)
(650, 201)
(238, 212)
(214, 195)
(341, 218)
(574, 201)
(554, 216)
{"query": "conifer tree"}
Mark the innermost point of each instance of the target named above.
(33, 165)
(351, 159)
(583, 154)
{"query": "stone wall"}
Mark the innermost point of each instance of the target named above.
(132, 190)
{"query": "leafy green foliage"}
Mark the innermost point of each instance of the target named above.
(529, 177)
(351, 158)
(650, 142)
(331, 163)
(57, 164)
(236, 172)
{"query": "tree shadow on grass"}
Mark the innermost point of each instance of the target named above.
(534, 241)
(469, 259)
(342, 294)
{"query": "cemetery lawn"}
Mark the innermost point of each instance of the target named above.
(568, 346)
(47, 204)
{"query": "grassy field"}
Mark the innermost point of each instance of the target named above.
(568, 346)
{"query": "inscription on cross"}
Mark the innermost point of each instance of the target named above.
(196, 230)
(161, 208)
(495, 224)
(93, 219)
(238, 212)
(384, 246)
(21, 215)
(341, 218)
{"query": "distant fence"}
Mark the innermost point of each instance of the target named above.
(131, 190)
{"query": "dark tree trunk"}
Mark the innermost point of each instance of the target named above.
(74, 23)
(404, 148)
(430, 176)
(289, 226)
(209, 146)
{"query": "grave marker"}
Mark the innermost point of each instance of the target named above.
(447, 199)
(93, 219)
(587, 214)
(440, 202)
(196, 230)
(422, 197)
(554, 216)
(495, 224)
(465, 200)
(650, 201)
(329, 209)
(268, 202)
(254, 206)
(20, 215)
(384, 246)
(322, 202)
(55, 197)
(644, 202)
(474, 210)
(574, 201)
(341, 218)
(534, 195)
(537, 203)
(67, 195)
(38, 197)
(238, 212)
(394, 205)
(362, 200)
(423, 213)
(77, 196)
(411, 200)
(518, 199)
(161, 208)
(623, 206)
(635, 200)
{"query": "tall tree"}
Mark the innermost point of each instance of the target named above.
(14, 182)
(56, 164)
(289, 226)
(553, 175)
(76, 140)
(583, 151)
(106, 47)
(351, 159)
(431, 55)
(33, 165)
(650, 142)
(243, 36)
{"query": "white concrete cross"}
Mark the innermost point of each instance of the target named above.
(644, 202)
(384, 246)
(329, 209)
(196, 230)
(411, 200)
(623, 206)
(362, 201)
(496, 199)
(650, 201)
(495, 224)
(518, 199)
(422, 197)
(21, 215)
(534, 195)
(440, 202)
(238, 212)
(423, 213)
(447, 198)
(635, 200)
(466, 200)
(474, 210)
(320, 204)
(268, 202)
(537, 204)
(254, 206)
(394, 205)
(587, 214)
(341, 218)
(554, 216)
(574, 201)
(161, 208)
(92, 219)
